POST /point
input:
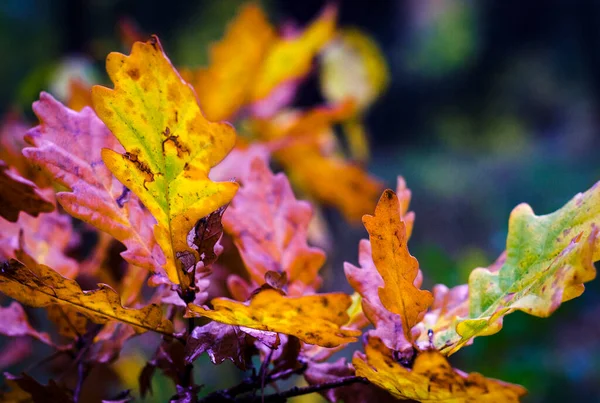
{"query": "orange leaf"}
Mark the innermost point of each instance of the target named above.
(290, 58)
(251, 61)
(270, 226)
(397, 267)
(224, 86)
(314, 319)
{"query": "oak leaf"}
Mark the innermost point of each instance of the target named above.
(221, 342)
(366, 280)
(26, 389)
(314, 319)
(308, 151)
(252, 61)
(46, 238)
(269, 227)
(37, 285)
(431, 379)
(15, 324)
(20, 194)
(68, 144)
(170, 146)
(398, 268)
(548, 258)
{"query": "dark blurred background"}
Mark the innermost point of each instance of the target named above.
(491, 103)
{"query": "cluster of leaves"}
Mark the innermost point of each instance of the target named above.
(225, 267)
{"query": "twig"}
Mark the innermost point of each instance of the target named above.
(82, 372)
(298, 391)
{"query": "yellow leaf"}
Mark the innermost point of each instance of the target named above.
(291, 58)
(432, 378)
(314, 319)
(398, 268)
(223, 87)
(251, 61)
(353, 66)
(37, 285)
(170, 146)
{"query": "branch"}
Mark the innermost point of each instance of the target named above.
(298, 391)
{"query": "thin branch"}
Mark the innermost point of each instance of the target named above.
(299, 391)
(82, 372)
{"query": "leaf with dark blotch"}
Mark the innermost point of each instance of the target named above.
(398, 268)
(26, 389)
(19, 194)
(314, 319)
(169, 146)
(221, 342)
(68, 145)
(431, 378)
(39, 286)
(15, 324)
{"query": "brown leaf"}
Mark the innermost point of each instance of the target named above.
(26, 389)
(221, 342)
(169, 358)
(19, 194)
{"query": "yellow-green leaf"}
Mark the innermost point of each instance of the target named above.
(548, 258)
(170, 146)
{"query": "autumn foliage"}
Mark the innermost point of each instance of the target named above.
(152, 207)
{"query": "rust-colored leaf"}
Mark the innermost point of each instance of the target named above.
(399, 270)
